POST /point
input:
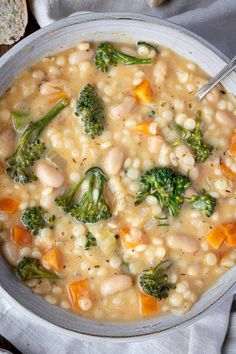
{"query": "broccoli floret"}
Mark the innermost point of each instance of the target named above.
(194, 140)
(31, 268)
(154, 282)
(106, 55)
(90, 109)
(203, 202)
(166, 185)
(91, 241)
(91, 206)
(35, 219)
(30, 148)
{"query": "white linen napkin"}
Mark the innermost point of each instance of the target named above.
(205, 336)
(214, 20)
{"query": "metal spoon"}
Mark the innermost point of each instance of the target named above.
(213, 82)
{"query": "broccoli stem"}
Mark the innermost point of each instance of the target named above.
(106, 56)
(31, 268)
(130, 60)
(43, 122)
(194, 140)
(30, 147)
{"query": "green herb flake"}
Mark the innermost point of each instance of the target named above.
(91, 241)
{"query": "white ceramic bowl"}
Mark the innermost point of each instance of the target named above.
(122, 28)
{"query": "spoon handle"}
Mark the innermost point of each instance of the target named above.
(213, 82)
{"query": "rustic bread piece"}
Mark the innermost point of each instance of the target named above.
(13, 20)
(152, 3)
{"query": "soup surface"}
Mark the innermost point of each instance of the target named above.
(117, 247)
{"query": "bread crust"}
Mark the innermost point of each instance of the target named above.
(153, 3)
(12, 28)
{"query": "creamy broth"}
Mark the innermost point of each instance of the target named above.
(124, 152)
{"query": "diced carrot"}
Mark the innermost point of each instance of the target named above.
(126, 239)
(148, 304)
(52, 259)
(77, 290)
(8, 205)
(232, 143)
(20, 235)
(230, 240)
(145, 126)
(57, 96)
(230, 232)
(143, 92)
(227, 171)
(215, 237)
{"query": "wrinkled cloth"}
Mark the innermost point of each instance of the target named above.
(215, 21)
(205, 336)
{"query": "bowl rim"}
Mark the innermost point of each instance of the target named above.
(87, 17)
(92, 16)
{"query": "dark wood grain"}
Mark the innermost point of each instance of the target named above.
(4, 344)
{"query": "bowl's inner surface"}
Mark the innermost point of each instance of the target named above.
(66, 34)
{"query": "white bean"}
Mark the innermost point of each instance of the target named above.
(160, 71)
(11, 252)
(52, 87)
(47, 200)
(115, 284)
(43, 287)
(213, 96)
(114, 160)
(154, 144)
(7, 138)
(224, 118)
(47, 88)
(184, 155)
(78, 56)
(123, 108)
(182, 242)
(49, 175)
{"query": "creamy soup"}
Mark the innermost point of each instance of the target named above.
(121, 203)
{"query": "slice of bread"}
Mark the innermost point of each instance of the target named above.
(13, 20)
(152, 3)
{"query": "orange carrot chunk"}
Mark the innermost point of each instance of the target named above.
(230, 232)
(8, 205)
(143, 92)
(52, 259)
(145, 128)
(57, 96)
(77, 290)
(227, 172)
(215, 237)
(232, 143)
(128, 242)
(148, 304)
(20, 235)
